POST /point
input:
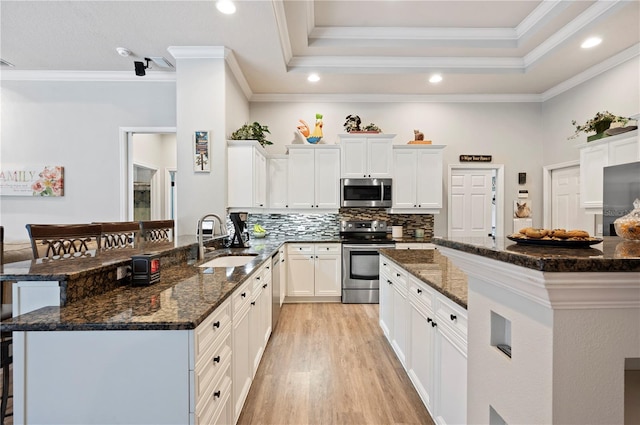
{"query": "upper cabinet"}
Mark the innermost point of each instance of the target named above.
(314, 177)
(247, 174)
(417, 178)
(278, 180)
(596, 155)
(366, 155)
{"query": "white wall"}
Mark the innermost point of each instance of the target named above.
(76, 125)
(508, 131)
(617, 90)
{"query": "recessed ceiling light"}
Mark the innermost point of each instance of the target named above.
(435, 78)
(226, 6)
(313, 78)
(123, 51)
(591, 42)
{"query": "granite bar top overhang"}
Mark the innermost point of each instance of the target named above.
(614, 254)
(184, 297)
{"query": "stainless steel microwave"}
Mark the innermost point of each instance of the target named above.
(365, 193)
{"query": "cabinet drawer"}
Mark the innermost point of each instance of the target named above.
(385, 267)
(257, 278)
(420, 294)
(209, 372)
(452, 315)
(214, 407)
(241, 296)
(328, 248)
(212, 329)
(298, 248)
(398, 276)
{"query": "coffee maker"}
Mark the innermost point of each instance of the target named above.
(240, 234)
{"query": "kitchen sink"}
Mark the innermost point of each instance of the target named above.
(229, 261)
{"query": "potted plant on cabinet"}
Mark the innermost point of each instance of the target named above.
(253, 131)
(599, 123)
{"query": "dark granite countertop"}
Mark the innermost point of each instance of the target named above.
(184, 297)
(614, 254)
(434, 269)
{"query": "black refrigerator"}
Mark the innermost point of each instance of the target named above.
(621, 186)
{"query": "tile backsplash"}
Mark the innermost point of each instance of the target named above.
(328, 225)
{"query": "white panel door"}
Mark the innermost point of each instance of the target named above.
(566, 212)
(471, 202)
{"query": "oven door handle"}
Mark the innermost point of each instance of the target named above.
(382, 190)
(368, 246)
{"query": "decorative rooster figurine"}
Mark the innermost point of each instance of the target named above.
(311, 137)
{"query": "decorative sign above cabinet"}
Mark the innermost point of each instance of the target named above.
(476, 158)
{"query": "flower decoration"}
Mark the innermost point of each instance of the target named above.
(50, 183)
(599, 123)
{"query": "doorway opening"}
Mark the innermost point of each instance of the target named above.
(148, 168)
(476, 200)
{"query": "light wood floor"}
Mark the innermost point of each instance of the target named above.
(330, 364)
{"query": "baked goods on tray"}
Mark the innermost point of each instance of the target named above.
(529, 233)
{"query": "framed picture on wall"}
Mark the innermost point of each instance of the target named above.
(201, 152)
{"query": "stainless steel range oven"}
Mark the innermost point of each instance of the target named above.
(361, 241)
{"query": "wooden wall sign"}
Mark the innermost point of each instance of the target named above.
(476, 158)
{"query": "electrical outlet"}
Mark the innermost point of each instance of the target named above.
(121, 273)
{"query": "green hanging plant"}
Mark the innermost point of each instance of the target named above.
(254, 131)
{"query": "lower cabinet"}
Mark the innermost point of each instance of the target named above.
(428, 332)
(314, 270)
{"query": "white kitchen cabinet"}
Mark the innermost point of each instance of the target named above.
(278, 180)
(386, 298)
(421, 346)
(596, 155)
(314, 177)
(417, 179)
(400, 314)
(314, 270)
(366, 155)
(247, 175)
(241, 335)
(428, 333)
(259, 315)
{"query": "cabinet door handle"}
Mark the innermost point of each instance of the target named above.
(253, 303)
(389, 282)
(398, 274)
(384, 264)
(282, 261)
(243, 295)
(453, 317)
(216, 359)
(429, 320)
(264, 286)
(217, 394)
(258, 277)
(216, 324)
(267, 267)
(414, 206)
(419, 291)
(433, 324)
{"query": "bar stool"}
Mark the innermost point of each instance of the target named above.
(156, 231)
(63, 240)
(119, 235)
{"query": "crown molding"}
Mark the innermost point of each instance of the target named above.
(198, 52)
(283, 29)
(234, 66)
(375, 65)
(592, 72)
(396, 98)
(540, 16)
(76, 76)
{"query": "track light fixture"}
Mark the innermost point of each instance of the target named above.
(140, 67)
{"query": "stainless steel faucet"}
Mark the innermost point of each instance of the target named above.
(220, 235)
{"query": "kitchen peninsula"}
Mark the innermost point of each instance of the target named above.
(568, 323)
(148, 354)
